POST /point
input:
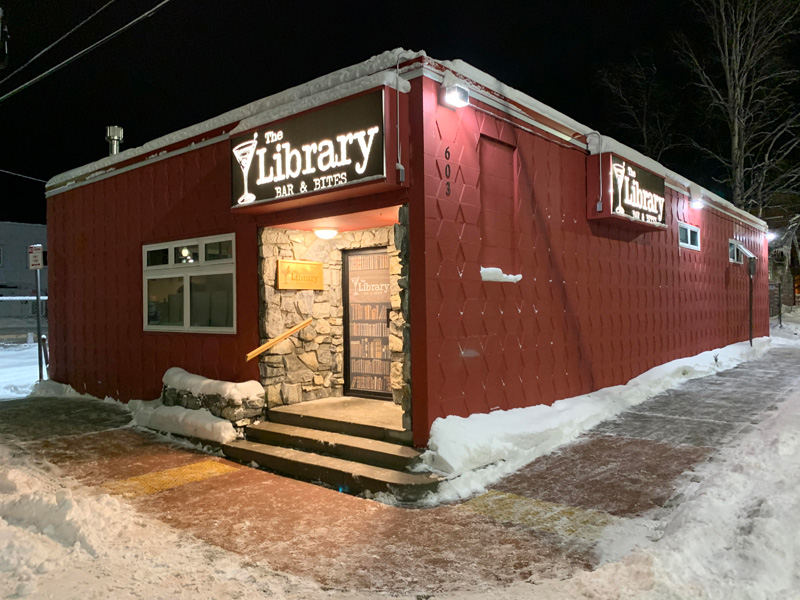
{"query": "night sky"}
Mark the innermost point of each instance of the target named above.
(195, 59)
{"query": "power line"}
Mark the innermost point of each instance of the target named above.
(23, 176)
(84, 51)
(63, 37)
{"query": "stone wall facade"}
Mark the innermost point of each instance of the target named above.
(309, 365)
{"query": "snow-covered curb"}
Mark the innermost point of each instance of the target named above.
(199, 424)
(482, 448)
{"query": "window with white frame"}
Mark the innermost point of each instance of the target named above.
(689, 236)
(190, 285)
(737, 252)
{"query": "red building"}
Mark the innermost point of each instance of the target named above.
(198, 247)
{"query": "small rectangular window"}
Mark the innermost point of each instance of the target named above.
(735, 254)
(188, 254)
(222, 250)
(688, 236)
(157, 258)
(1, 256)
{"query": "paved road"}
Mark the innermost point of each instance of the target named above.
(540, 522)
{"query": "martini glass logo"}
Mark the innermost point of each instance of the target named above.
(244, 153)
(619, 175)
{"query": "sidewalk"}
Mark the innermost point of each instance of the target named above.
(540, 522)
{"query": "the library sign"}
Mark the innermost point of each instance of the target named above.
(336, 146)
(629, 192)
(299, 275)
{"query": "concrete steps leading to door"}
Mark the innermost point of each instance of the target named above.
(344, 475)
(349, 447)
(350, 444)
(360, 417)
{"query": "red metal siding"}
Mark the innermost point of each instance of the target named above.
(597, 305)
(96, 233)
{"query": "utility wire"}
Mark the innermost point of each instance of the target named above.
(84, 51)
(23, 176)
(63, 37)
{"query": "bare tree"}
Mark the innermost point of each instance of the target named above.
(643, 103)
(746, 85)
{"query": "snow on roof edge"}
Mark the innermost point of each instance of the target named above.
(315, 87)
(346, 82)
(601, 143)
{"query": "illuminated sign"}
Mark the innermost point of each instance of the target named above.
(626, 192)
(335, 146)
(636, 193)
(299, 275)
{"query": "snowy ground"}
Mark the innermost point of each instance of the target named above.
(733, 536)
(19, 370)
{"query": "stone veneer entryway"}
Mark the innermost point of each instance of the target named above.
(310, 364)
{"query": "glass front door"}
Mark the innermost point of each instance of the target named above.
(367, 307)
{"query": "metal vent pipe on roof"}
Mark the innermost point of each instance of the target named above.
(114, 139)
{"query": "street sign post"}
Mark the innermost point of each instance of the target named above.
(36, 262)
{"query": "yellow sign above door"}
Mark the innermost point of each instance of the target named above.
(299, 275)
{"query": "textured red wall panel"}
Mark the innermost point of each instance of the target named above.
(97, 232)
(598, 303)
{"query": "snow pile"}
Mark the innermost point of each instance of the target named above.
(58, 540)
(19, 370)
(733, 536)
(197, 385)
(53, 389)
(199, 424)
(495, 274)
(54, 523)
(508, 440)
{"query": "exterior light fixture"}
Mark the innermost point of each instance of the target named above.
(455, 95)
(697, 203)
(325, 234)
(771, 235)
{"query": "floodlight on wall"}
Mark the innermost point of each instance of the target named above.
(325, 234)
(696, 195)
(455, 96)
(771, 235)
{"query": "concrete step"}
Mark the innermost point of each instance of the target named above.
(287, 416)
(341, 474)
(359, 449)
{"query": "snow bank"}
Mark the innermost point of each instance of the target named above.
(733, 536)
(19, 370)
(495, 274)
(507, 440)
(182, 380)
(58, 540)
(199, 424)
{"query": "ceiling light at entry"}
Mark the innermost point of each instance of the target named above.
(325, 234)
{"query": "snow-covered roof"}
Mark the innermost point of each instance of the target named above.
(392, 68)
